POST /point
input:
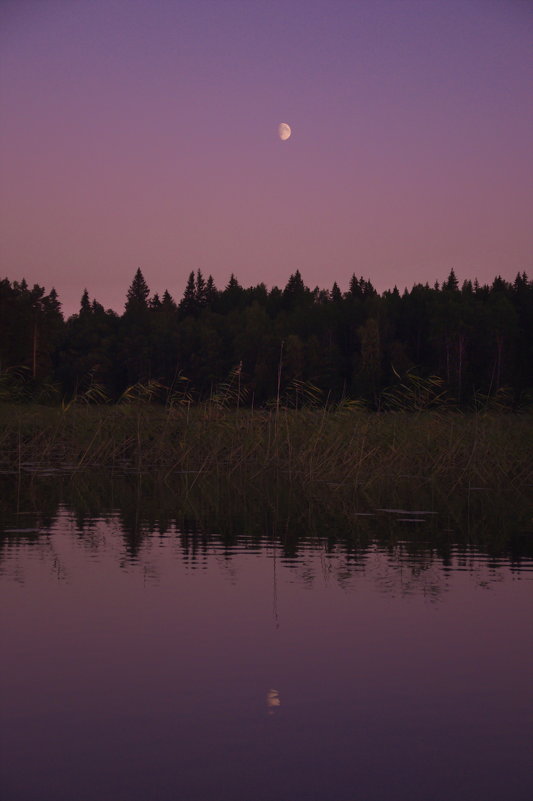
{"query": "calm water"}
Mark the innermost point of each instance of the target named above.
(156, 663)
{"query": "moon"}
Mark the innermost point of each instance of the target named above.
(284, 131)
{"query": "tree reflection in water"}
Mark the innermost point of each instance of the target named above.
(403, 554)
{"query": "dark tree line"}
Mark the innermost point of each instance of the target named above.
(296, 343)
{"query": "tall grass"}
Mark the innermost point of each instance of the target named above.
(294, 466)
(346, 446)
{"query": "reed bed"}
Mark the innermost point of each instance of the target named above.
(344, 447)
(344, 470)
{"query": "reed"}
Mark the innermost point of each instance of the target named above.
(283, 469)
(347, 447)
(265, 507)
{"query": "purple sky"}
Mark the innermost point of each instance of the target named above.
(144, 133)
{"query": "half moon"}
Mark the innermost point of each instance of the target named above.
(284, 131)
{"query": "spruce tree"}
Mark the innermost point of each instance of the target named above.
(85, 304)
(188, 302)
(451, 284)
(200, 289)
(137, 296)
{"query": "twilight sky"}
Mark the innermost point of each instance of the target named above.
(144, 133)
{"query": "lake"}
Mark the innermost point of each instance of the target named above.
(150, 656)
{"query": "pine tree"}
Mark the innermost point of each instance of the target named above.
(499, 285)
(295, 285)
(210, 291)
(232, 284)
(200, 289)
(451, 284)
(85, 304)
(167, 302)
(367, 288)
(336, 294)
(295, 292)
(232, 297)
(354, 288)
(135, 360)
(188, 302)
(137, 296)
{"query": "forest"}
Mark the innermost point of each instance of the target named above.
(463, 346)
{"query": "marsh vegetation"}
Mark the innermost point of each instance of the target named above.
(474, 470)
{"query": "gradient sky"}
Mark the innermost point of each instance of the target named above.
(144, 133)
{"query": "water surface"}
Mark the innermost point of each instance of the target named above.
(149, 659)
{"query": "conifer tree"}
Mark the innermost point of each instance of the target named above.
(167, 302)
(188, 302)
(336, 294)
(85, 303)
(210, 291)
(137, 296)
(451, 284)
(200, 290)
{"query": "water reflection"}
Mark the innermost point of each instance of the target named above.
(273, 701)
(147, 506)
(167, 643)
(397, 567)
